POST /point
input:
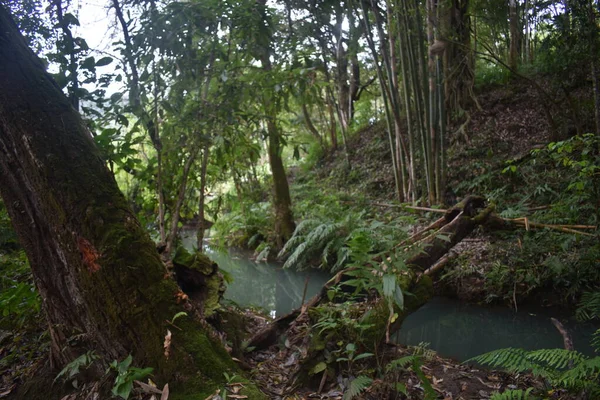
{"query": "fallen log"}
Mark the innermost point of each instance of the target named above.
(462, 219)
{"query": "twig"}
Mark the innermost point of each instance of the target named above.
(515, 296)
(304, 291)
(323, 380)
(539, 208)
(172, 324)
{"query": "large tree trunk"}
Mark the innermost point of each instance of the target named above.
(282, 202)
(102, 283)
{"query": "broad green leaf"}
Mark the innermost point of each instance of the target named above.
(104, 61)
(320, 367)
(389, 285)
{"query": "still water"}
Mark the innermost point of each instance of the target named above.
(261, 284)
(461, 331)
(452, 328)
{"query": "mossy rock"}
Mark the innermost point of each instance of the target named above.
(199, 277)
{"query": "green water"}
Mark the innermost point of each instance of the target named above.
(261, 284)
(452, 328)
(462, 331)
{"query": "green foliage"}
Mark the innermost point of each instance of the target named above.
(356, 386)
(516, 394)
(247, 226)
(414, 362)
(72, 369)
(488, 74)
(589, 306)
(8, 237)
(19, 300)
(335, 243)
(563, 368)
(126, 375)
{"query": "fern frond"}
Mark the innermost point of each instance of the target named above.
(589, 306)
(295, 257)
(357, 385)
(400, 363)
(516, 361)
(556, 358)
(343, 256)
(298, 236)
(583, 374)
(516, 394)
(264, 254)
(321, 235)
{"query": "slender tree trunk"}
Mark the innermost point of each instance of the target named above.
(343, 89)
(180, 199)
(150, 121)
(100, 278)
(284, 219)
(386, 102)
(282, 202)
(433, 111)
(513, 55)
(202, 199)
(332, 124)
(309, 124)
(527, 53)
(594, 62)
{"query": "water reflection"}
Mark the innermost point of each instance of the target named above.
(263, 285)
(462, 331)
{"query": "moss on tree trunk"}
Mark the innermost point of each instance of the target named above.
(102, 283)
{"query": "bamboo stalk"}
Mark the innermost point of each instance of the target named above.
(440, 264)
(437, 224)
(562, 228)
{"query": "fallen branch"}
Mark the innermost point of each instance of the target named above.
(268, 335)
(440, 264)
(417, 236)
(525, 222)
(404, 206)
(568, 342)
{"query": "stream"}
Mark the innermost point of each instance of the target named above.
(264, 285)
(452, 328)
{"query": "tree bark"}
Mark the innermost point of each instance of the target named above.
(282, 202)
(202, 198)
(180, 199)
(100, 278)
(513, 54)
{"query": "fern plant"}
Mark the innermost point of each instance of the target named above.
(516, 394)
(414, 362)
(356, 386)
(562, 368)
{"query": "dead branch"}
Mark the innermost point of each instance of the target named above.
(527, 224)
(568, 341)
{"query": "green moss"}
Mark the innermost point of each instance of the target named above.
(212, 286)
